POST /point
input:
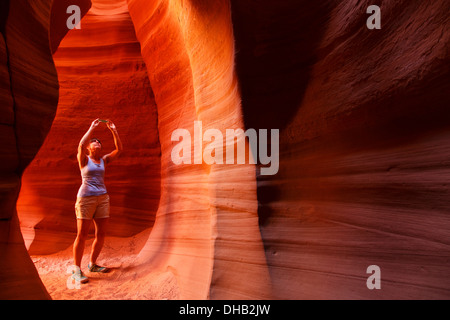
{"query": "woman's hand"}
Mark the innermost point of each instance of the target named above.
(111, 156)
(111, 125)
(95, 123)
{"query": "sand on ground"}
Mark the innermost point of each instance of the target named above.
(125, 281)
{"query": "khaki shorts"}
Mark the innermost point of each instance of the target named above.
(92, 207)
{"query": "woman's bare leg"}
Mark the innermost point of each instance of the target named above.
(100, 234)
(80, 241)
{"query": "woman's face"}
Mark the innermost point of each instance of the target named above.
(95, 147)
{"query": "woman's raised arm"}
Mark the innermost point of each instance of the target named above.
(81, 156)
(111, 156)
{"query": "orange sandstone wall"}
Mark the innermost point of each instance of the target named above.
(206, 228)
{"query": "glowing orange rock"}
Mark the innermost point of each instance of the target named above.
(206, 227)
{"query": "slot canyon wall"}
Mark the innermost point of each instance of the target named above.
(364, 142)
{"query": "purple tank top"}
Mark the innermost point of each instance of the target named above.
(93, 183)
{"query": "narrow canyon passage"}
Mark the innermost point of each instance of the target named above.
(364, 147)
(101, 74)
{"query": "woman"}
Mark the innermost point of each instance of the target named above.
(92, 198)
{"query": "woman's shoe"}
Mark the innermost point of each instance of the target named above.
(96, 268)
(79, 276)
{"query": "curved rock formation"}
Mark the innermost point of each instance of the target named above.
(29, 91)
(363, 143)
(207, 223)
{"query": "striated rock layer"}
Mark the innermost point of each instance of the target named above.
(364, 136)
(364, 144)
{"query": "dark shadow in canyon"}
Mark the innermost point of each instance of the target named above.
(276, 45)
(385, 136)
